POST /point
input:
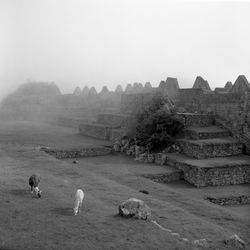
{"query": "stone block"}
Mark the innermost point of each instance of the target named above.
(77, 152)
(209, 148)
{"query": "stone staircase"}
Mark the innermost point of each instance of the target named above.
(209, 156)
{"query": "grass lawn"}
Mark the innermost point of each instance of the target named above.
(49, 223)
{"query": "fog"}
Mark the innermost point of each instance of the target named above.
(96, 43)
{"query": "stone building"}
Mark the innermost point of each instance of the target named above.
(240, 85)
(77, 91)
(137, 88)
(104, 90)
(169, 88)
(92, 91)
(200, 83)
(147, 87)
(118, 89)
(85, 91)
(228, 85)
(129, 88)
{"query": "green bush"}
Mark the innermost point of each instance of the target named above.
(157, 125)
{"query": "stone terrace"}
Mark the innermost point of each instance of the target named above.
(217, 132)
(209, 156)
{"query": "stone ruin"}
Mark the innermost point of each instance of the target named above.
(148, 87)
(241, 85)
(228, 85)
(129, 88)
(104, 91)
(200, 83)
(217, 123)
(85, 91)
(77, 91)
(216, 142)
(92, 91)
(169, 88)
(119, 89)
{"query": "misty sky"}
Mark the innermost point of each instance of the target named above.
(110, 42)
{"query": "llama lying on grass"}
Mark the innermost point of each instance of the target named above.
(34, 182)
(78, 201)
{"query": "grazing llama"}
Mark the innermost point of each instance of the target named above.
(34, 182)
(78, 201)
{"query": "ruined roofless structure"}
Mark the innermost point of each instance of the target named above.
(200, 83)
(241, 85)
(129, 88)
(104, 90)
(85, 91)
(118, 89)
(137, 87)
(169, 88)
(228, 85)
(77, 91)
(147, 86)
(224, 90)
(92, 91)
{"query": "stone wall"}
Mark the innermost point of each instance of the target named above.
(165, 178)
(201, 177)
(78, 153)
(230, 200)
(206, 150)
(196, 120)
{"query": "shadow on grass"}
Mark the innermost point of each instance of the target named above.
(118, 217)
(8, 249)
(20, 192)
(66, 211)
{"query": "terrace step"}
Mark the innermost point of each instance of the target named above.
(212, 172)
(201, 133)
(72, 122)
(99, 131)
(114, 120)
(196, 120)
(209, 148)
(170, 174)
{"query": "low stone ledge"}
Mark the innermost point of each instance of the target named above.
(230, 200)
(165, 178)
(78, 153)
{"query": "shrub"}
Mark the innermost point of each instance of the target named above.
(157, 125)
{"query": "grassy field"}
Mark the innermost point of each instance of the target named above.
(49, 223)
